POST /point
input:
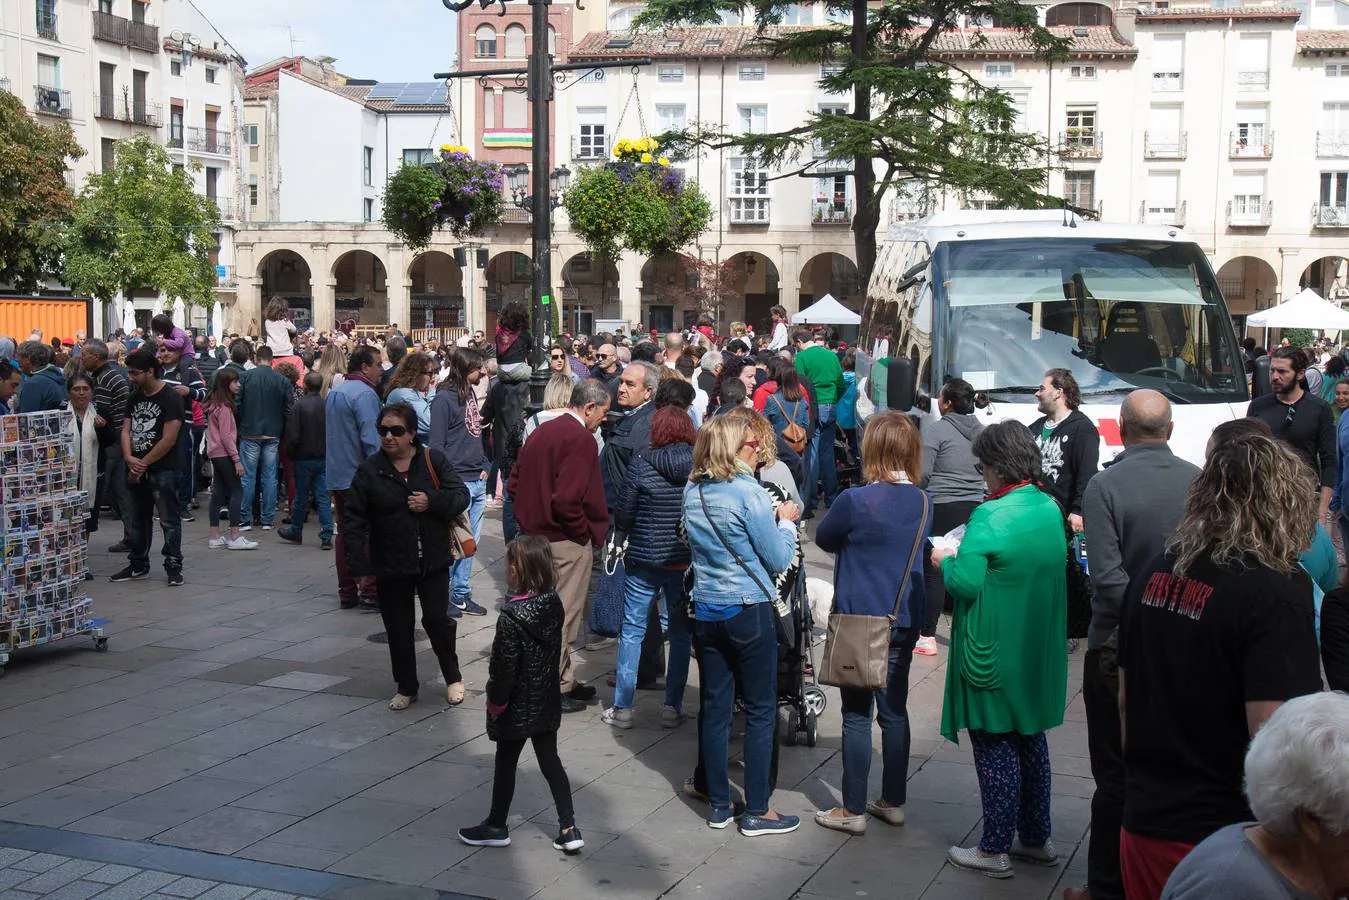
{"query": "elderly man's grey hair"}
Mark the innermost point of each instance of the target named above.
(7, 347)
(711, 359)
(650, 376)
(36, 352)
(97, 347)
(1299, 762)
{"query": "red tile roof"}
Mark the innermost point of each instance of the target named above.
(1316, 41)
(1207, 13)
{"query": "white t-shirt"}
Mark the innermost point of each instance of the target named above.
(279, 335)
(779, 341)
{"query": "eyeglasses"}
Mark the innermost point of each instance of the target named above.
(557, 356)
(395, 430)
(604, 356)
(754, 444)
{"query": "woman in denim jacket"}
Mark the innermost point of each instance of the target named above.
(738, 545)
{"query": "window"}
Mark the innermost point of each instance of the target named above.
(552, 41)
(46, 19)
(49, 71)
(105, 7)
(515, 42)
(1248, 198)
(621, 19)
(590, 137)
(1165, 137)
(176, 68)
(108, 153)
(730, 17)
(832, 204)
(748, 192)
(1335, 189)
(1079, 190)
(369, 168)
(176, 127)
(753, 119)
(251, 135)
(798, 14)
(670, 117)
(1168, 62)
(210, 75)
(821, 149)
(1251, 138)
(515, 110)
(485, 42)
(1333, 138)
(1337, 70)
(252, 190)
(1082, 73)
(1078, 14)
(138, 10)
(369, 215)
(1163, 188)
(753, 71)
(489, 108)
(1253, 62)
(998, 71)
(838, 16)
(417, 157)
(670, 74)
(1081, 119)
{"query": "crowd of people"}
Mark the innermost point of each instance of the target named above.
(1209, 598)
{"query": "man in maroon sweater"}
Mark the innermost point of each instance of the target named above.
(558, 494)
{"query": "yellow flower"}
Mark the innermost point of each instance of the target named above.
(654, 143)
(664, 160)
(446, 148)
(646, 157)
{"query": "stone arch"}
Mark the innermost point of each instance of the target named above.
(679, 288)
(832, 273)
(436, 285)
(1328, 276)
(1248, 284)
(755, 277)
(361, 289)
(286, 272)
(509, 276)
(1078, 13)
(589, 291)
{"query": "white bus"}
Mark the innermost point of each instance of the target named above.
(999, 297)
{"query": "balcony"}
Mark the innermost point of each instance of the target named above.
(1162, 214)
(110, 28)
(590, 147)
(4, 84)
(51, 101)
(206, 140)
(831, 212)
(1243, 214)
(1332, 144)
(1081, 143)
(1158, 145)
(1254, 146)
(143, 36)
(225, 277)
(749, 210)
(1253, 81)
(1325, 215)
(46, 20)
(226, 207)
(514, 215)
(121, 107)
(1167, 82)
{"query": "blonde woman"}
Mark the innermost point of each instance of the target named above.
(738, 545)
(1212, 640)
(332, 365)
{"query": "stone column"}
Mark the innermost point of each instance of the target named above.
(324, 293)
(399, 285)
(248, 304)
(789, 280)
(630, 289)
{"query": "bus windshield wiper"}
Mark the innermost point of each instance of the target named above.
(1015, 389)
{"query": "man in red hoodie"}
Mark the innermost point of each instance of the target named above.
(558, 494)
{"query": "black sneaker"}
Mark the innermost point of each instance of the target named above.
(369, 604)
(572, 706)
(289, 537)
(465, 607)
(569, 840)
(582, 692)
(175, 579)
(485, 835)
(120, 547)
(326, 545)
(130, 573)
(187, 517)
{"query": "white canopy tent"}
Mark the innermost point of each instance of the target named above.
(1304, 310)
(826, 311)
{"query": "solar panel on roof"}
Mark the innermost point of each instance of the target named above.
(441, 94)
(386, 90)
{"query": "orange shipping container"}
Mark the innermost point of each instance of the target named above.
(57, 317)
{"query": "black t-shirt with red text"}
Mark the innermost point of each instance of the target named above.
(1194, 651)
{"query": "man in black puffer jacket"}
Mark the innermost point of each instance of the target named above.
(306, 445)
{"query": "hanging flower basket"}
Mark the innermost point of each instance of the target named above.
(456, 192)
(637, 202)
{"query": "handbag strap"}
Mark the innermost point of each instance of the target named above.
(769, 595)
(426, 455)
(905, 582)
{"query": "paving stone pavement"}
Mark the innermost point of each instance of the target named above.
(25, 874)
(243, 714)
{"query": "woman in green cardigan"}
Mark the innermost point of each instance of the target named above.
(1006, 680)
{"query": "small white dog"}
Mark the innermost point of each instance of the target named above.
(820, 595)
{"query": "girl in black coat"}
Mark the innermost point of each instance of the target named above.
(524, 694)
(399, 509)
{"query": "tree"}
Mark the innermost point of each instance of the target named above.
(697, 282)
(917, 115)
(140, 224)
(35, 200)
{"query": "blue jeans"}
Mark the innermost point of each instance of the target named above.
(892, 712)
(642, 586)
(463, 569)
(743, 648)
(820, 470)
(155, 491)
(187, 483)
(311, 478)
(509, 527)
(250, 449)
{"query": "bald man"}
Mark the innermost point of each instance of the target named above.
(1130, 510)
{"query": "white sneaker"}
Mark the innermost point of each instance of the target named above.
(245, 527)
(1044, 855)
(926, 646)
(216, 543)
(998, 866)
(242, 543)
(619, 718)
(670, 717)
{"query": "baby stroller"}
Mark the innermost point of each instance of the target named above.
(800, 699)
(847, 463)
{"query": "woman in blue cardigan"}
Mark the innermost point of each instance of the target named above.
(873, 530)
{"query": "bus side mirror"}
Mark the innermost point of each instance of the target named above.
(901, 384)
(1260, 385)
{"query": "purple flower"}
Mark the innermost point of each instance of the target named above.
(436, 205)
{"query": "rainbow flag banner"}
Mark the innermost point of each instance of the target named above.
(508, 138)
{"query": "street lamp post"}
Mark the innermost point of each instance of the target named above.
(546, 194)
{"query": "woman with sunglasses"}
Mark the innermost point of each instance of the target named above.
(558, 363)
(411, 384)
(402, 501)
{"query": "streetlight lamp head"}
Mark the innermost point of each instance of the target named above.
(561, 178)
(751, 264)
(519, 176)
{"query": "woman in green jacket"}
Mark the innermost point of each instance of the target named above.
(1006, 680)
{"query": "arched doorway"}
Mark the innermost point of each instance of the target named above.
(754, 277)
(1328, 276)
(678, 290)
(437, 291)
(509, 276)
(1075, 14)
(1248, 284)
(831, 273)
(362, 290)
(589, 292)
(285, 273)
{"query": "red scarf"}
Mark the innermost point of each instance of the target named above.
(363, 380)
(1005, 490)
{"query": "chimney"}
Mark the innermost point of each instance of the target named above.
(1125, 19)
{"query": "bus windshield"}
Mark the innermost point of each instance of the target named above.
(1118, 314)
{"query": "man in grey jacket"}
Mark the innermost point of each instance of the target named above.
(1130, 510)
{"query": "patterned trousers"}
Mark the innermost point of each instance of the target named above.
(1014, 784)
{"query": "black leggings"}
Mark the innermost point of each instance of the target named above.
(945, 516)
(503, 784)
(226, 490)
